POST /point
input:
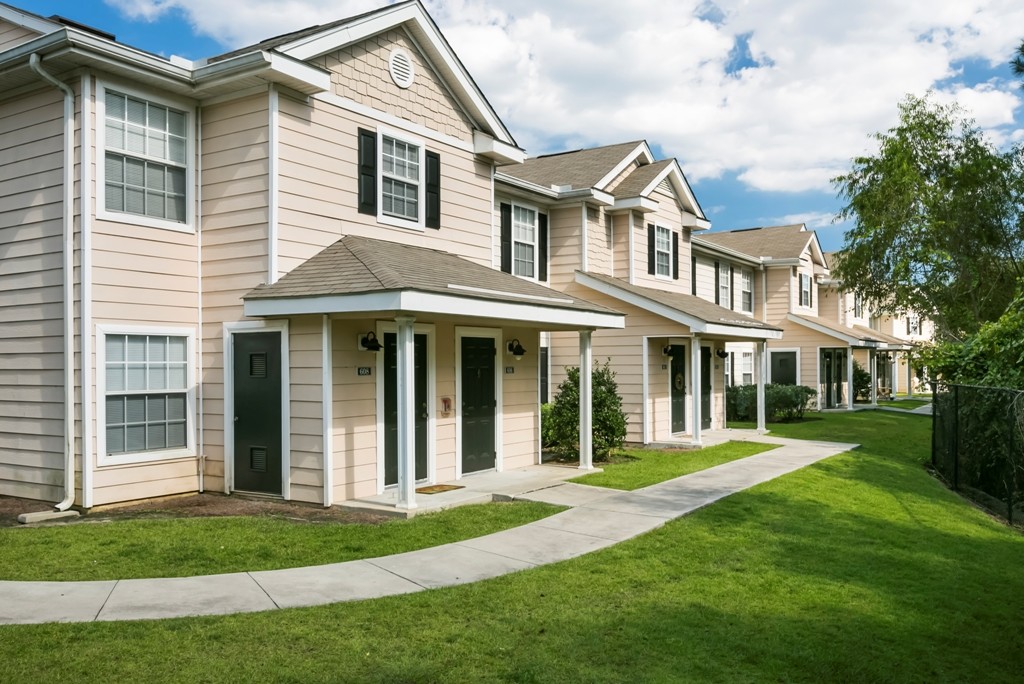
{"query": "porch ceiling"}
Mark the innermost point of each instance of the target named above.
(358, 275)
(699, 315)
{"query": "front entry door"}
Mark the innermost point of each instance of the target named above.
(391, 406)
(705, 388)
(257, 419)
(833, 366)
(478, 404)
(677, 379)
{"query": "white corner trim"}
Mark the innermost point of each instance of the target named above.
(85, 227)
(273, 183)
(327, 405)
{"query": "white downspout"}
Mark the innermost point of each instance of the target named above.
(34, 63)
(85, 335)
(200, 418)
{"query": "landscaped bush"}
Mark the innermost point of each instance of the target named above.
(861, 382)
(546, 436)
(609, 418)
(782, 402)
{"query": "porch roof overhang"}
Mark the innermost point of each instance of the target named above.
(700, 316)
(888, 342)
(358, 275)
(855, 336)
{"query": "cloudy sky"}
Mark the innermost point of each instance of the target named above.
(761, 101)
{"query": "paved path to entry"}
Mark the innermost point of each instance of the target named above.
(597, 518)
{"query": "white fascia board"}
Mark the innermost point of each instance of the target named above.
(437, 304)
(769, 261)
(675, 174)
(642, 204)
(15, 16)
(711, 248)
(520, 184)
(485, 145)
(423, 28)
(848, 339)
(741, 331)
(642, 151)
(273, 67)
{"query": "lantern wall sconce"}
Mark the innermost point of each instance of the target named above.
(369, 342)
(516, 350)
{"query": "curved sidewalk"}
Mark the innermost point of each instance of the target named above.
(598, 518)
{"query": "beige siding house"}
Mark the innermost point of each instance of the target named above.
(614, 225)
(270, 271)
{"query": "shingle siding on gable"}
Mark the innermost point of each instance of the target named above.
(360, 73)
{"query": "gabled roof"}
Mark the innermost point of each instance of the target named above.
(856, 336)
(358, 274)
(773, 242)
(639, 181)
(577, 168)
(699, 315)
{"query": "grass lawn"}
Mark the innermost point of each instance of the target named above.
(127, 549)
(861, 568)
(906, 404)
(635, 468)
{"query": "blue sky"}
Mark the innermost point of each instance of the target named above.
(762, 103)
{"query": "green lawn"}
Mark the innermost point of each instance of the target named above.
(635, 468)
(861, 568)
(906, 404)
(126, 549)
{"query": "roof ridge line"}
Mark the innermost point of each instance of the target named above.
(372, 271)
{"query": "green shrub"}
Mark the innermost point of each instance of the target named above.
(546, 436)
(782, 402)
(861, 382)
(609, 418)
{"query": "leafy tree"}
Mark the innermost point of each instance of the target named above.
(609, 418)
(1017, 63)
(938, 220)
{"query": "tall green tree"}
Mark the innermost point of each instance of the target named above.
(1017, 63)
(938, 220)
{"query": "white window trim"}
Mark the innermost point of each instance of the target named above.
(536, 239)
(725, 281)
(104, 459)
(101, 160)
(747, 272)
(666, 276)
(421, 204)
(741, 372)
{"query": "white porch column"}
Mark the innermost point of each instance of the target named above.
(873, 362)
(849, 378)
(910, 378)
(406, 393)
(695, 387)
(327, 406)
(762, 380)
(586, 402)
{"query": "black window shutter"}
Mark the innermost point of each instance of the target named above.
(652, 266)
(675, 256)
(542, 246)
(908, 325)
(718, 286)
(693, 276)
(506, 238)
(367, 172)
(732, 288)
(433, 196)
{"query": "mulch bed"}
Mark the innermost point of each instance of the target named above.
(197, 506)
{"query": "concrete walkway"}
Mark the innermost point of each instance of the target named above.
(598, 518)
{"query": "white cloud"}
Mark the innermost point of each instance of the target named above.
(824, 76)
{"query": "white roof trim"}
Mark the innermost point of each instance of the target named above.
(675, 174)
(642, 151)
(427, 34)
(704, 246)
(439, 304)
(849, 339)
(641, 204)
(485, 145)
(697, 325)
(31, 22)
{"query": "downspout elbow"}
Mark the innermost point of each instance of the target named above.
(35, 64)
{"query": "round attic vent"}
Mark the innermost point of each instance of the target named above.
(401, 68)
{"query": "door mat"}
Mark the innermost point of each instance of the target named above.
(437, 489)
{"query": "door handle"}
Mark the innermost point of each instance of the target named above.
(236, 419)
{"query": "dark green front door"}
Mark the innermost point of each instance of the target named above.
(677, 381)
(478, 404)
(391, 406)
(705, 388)
(257, 419)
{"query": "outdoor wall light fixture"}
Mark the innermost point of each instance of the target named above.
(722, 354)
(369, 342)
(516, 350)
(667, 350)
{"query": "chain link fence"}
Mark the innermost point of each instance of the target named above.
(978, 444)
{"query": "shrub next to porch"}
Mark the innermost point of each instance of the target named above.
(609, 418)
(782, 402)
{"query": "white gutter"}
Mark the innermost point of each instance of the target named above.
(34, 63)
(85, 225)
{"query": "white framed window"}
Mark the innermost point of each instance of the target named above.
(747, 291)
(913, 324)
(858, 306)
(146, 159)
(729, 360)
(402, 167)
(145, 394)
(524, 241)
(746, 370)
(725, 285)
(662, 251)
(805, 290)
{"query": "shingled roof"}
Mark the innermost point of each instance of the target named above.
(775, 242)
(642, 176)
(358, 265)
(579, 168)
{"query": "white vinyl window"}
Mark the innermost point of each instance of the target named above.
(805, 290)
(663, 251)
(725, 285)
(858, 306)
(400, 178)
(524, 241)
(746, 368)
(747, 291)
(913, 324)
(145, 158)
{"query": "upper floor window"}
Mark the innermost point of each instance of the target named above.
(913, 324)
(399, 181)
(747, 290)
(400, 186)
(806, 298)
(858, 306)
(663, 251)
(524, 241)
(746, 371)
(725, 285)
(145, 158)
